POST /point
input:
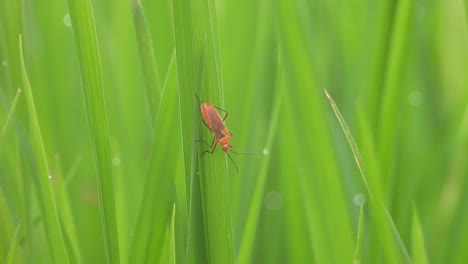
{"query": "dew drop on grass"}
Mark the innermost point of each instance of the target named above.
(273, 201)
(50, 177)
(265, 152)
(415, 98)
(115, 161)
(4, 63)
(359, 199)
(66, 20)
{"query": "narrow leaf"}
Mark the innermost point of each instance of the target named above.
(84, 32)
(46, 195)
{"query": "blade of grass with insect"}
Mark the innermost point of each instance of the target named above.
(323, 178)
(214, 182)
(12, 255)
(195, 30)
(418, 250)
(84, 32)
(388, 115)
(147, 58)
(10, 114)
(378, 212)
(44, 190)
(247, 239)
(153, 218)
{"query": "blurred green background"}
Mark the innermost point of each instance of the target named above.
(397, 71)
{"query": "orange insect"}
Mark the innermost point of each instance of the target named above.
(215, 123)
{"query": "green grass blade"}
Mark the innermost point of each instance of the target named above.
(67, 217)
(14, 244)
(154, 218)
(248, 237)
(349, 137)
(311, 128)
(379, 213)
(10, 114)
(359, 239)
(389, 108)
(188, 245)
(418, 250)
(84, 32)
(195, 28)
(46, 194)
(172, 238)
(147, 58)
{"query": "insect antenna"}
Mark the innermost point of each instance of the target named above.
(237, 169)
(243, 153)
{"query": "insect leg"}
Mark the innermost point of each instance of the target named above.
(212, 146)
(220, 109)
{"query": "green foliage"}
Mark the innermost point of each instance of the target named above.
(100, 158)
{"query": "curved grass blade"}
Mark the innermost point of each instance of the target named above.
(44, 190)
(84, 32)
(379, 213)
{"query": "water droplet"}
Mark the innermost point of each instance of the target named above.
(4, 63)
(66, 20)
(50, 176)
(415, 98)
(359, 199)
(273, 200)
(265, 152)
(116, 161)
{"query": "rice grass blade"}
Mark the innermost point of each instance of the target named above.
(67, 218)
(13, 245)
(46, 195)
(379, 214)
(311, 127)
(248, 236)
(10, 114)
(402, 246)
(359, 239)
(195, 28)
(147, 57)
(84, 32)
(418, 249)
(188, 247)
(389, 108)
(349, 137)
(154, 218)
